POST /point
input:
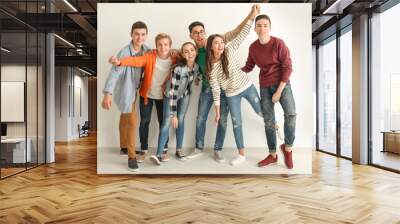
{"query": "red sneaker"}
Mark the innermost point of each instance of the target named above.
(268, 160)
(288, 157)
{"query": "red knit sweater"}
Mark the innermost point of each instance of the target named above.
(273, 59)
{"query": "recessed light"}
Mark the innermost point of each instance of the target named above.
(64, 40)
(5, 50)
(70, 5)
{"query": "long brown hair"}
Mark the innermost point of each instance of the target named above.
(210, 56)
(181, 61)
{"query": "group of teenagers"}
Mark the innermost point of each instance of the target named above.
(164, 78)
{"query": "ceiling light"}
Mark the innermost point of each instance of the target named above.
(338, 6)
(5, 50)
(64, 40)
(70, 5)
(84, 71)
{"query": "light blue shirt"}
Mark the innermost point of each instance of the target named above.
(123, 82)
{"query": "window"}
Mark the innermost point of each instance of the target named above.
(385, 89)
(327, 97)
(346, 94)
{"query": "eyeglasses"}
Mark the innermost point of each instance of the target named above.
(202, 33)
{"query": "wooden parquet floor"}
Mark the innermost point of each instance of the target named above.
(70, 191)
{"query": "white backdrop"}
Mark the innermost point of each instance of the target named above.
(290, 22)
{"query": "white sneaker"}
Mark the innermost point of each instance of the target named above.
(155, 159)
(238, 160)
(195, 153)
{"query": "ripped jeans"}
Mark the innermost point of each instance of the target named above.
(234, 103)
(289, 109)
(205, 104)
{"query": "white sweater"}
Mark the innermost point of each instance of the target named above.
(238, 81)
(160, 73)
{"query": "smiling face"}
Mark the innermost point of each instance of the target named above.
(198, 35)
(139, 36)
(217, 46)
(163, 46)
(189, 52)
(263, 28)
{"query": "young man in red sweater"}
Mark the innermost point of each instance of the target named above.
(272, 56)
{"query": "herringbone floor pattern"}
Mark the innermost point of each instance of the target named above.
(70, 191)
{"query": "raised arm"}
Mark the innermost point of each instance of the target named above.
(134, 61)
(235, 43)
(230, 35)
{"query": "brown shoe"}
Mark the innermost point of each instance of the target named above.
(141, 156)
(124, 151)
(164, 157)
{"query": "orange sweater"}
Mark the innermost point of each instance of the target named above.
(148, 61)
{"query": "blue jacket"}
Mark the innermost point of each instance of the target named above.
(123, 82)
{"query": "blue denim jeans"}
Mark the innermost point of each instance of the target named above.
(145, 118)
(234, 102)
(205, 103)
(182, 106)
(289, 109)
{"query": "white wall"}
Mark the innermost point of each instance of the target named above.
(80, 83)
(61, 103)
(174, 19)
(67, 80)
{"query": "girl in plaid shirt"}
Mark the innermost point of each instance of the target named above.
(176, 101)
